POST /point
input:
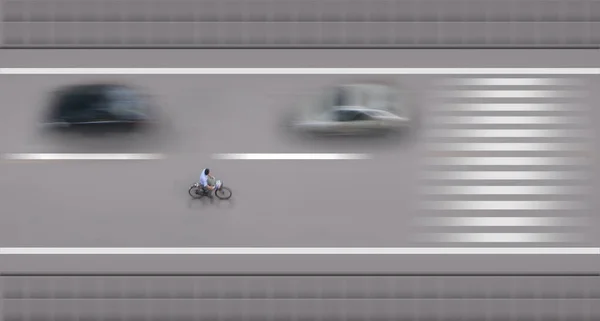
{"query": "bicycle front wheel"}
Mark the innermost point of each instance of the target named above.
(223, 193)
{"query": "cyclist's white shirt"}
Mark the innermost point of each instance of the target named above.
(203, 178)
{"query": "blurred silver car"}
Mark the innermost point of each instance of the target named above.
(353, 120)
(354, 109)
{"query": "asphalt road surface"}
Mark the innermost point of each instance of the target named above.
(304, 203)
(309, 203)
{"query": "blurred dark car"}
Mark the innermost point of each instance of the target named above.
(103, 107)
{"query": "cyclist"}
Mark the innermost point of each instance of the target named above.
(205, 181)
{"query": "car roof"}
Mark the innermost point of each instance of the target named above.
(365, 85)
(357, 109)
(86, 88)
(71, 97)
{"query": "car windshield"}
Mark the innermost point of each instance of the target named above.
(380, 113)
(361, 116)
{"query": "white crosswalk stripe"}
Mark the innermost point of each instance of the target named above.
(508, 120)
(508, 107)
(508, 161)
(501, 221)
(519, 94)
(510, 81)
(505, 132)
(503, 190)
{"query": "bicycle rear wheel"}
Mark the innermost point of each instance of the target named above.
(195, 192)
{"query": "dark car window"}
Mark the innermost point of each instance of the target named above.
(344, 115)
(97, 103)
(80, 105)
(361, 117)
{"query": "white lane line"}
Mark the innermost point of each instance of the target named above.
(508, 161)
(83, 156)
(505, 175)
(507, 107)
(290, 156)
(501, 237)
(507, 133)
(502, 205)
(503, 190)
(511, 93)
(500, 221)
(298, 71)
(491, 147)
(507, 120)
(511, 81)
(298, 251)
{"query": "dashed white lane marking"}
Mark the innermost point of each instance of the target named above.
(81, 156)
(231, 156)
(290, 156)
(500, 221)
(299, 71)
(300, 251)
